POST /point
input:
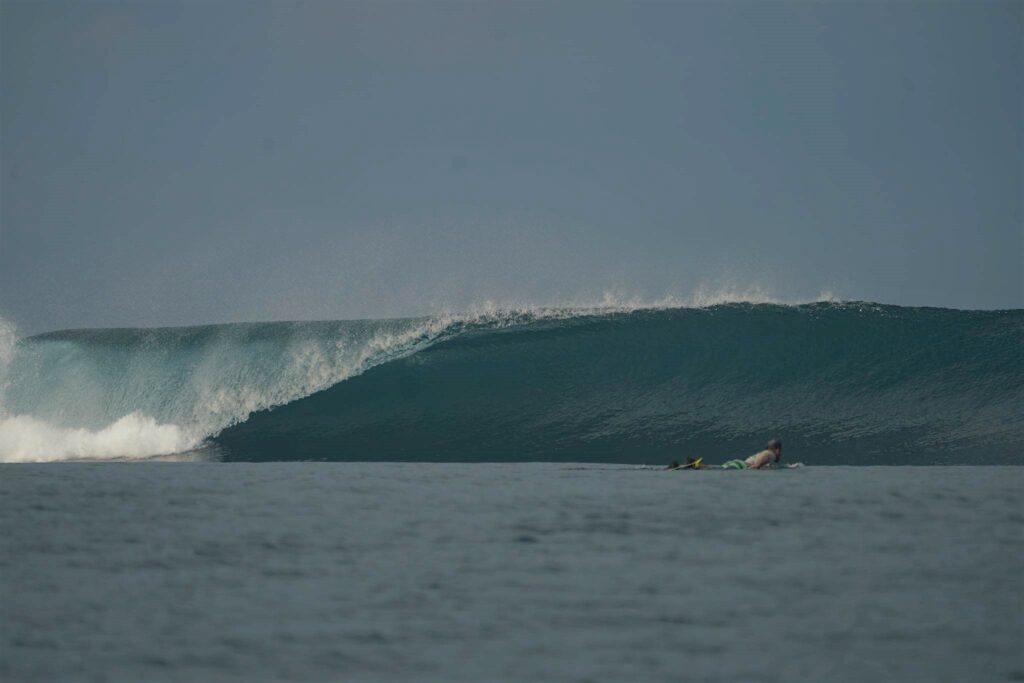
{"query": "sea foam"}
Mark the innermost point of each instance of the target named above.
(26, 439)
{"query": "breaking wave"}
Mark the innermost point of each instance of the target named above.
(618, 382)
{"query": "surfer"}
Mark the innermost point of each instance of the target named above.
(771, 455)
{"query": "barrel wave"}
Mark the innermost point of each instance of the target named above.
(839, 383)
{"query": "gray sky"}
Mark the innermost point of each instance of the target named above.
(176, 163)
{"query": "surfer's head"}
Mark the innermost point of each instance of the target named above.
(775, 446)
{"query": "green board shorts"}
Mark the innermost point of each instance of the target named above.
(734, 465)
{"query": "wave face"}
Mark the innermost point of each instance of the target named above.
(840, 383)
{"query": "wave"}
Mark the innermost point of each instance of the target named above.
(619, 382)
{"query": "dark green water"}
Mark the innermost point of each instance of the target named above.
(852, 383)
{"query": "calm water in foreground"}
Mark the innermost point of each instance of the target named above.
(515, 572)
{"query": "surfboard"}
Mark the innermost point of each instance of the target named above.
(692, 465)
(697, 465)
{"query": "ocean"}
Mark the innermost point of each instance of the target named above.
(351, 572)
(483, 497)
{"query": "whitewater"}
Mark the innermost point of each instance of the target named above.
(628, 382)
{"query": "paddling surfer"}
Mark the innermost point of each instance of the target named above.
(769, 457)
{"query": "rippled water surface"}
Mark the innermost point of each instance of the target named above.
(512, 572)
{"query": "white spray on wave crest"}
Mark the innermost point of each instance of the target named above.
(612, 302)
(8, 344)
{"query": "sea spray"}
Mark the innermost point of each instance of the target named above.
(23, 438)
(8, 345)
